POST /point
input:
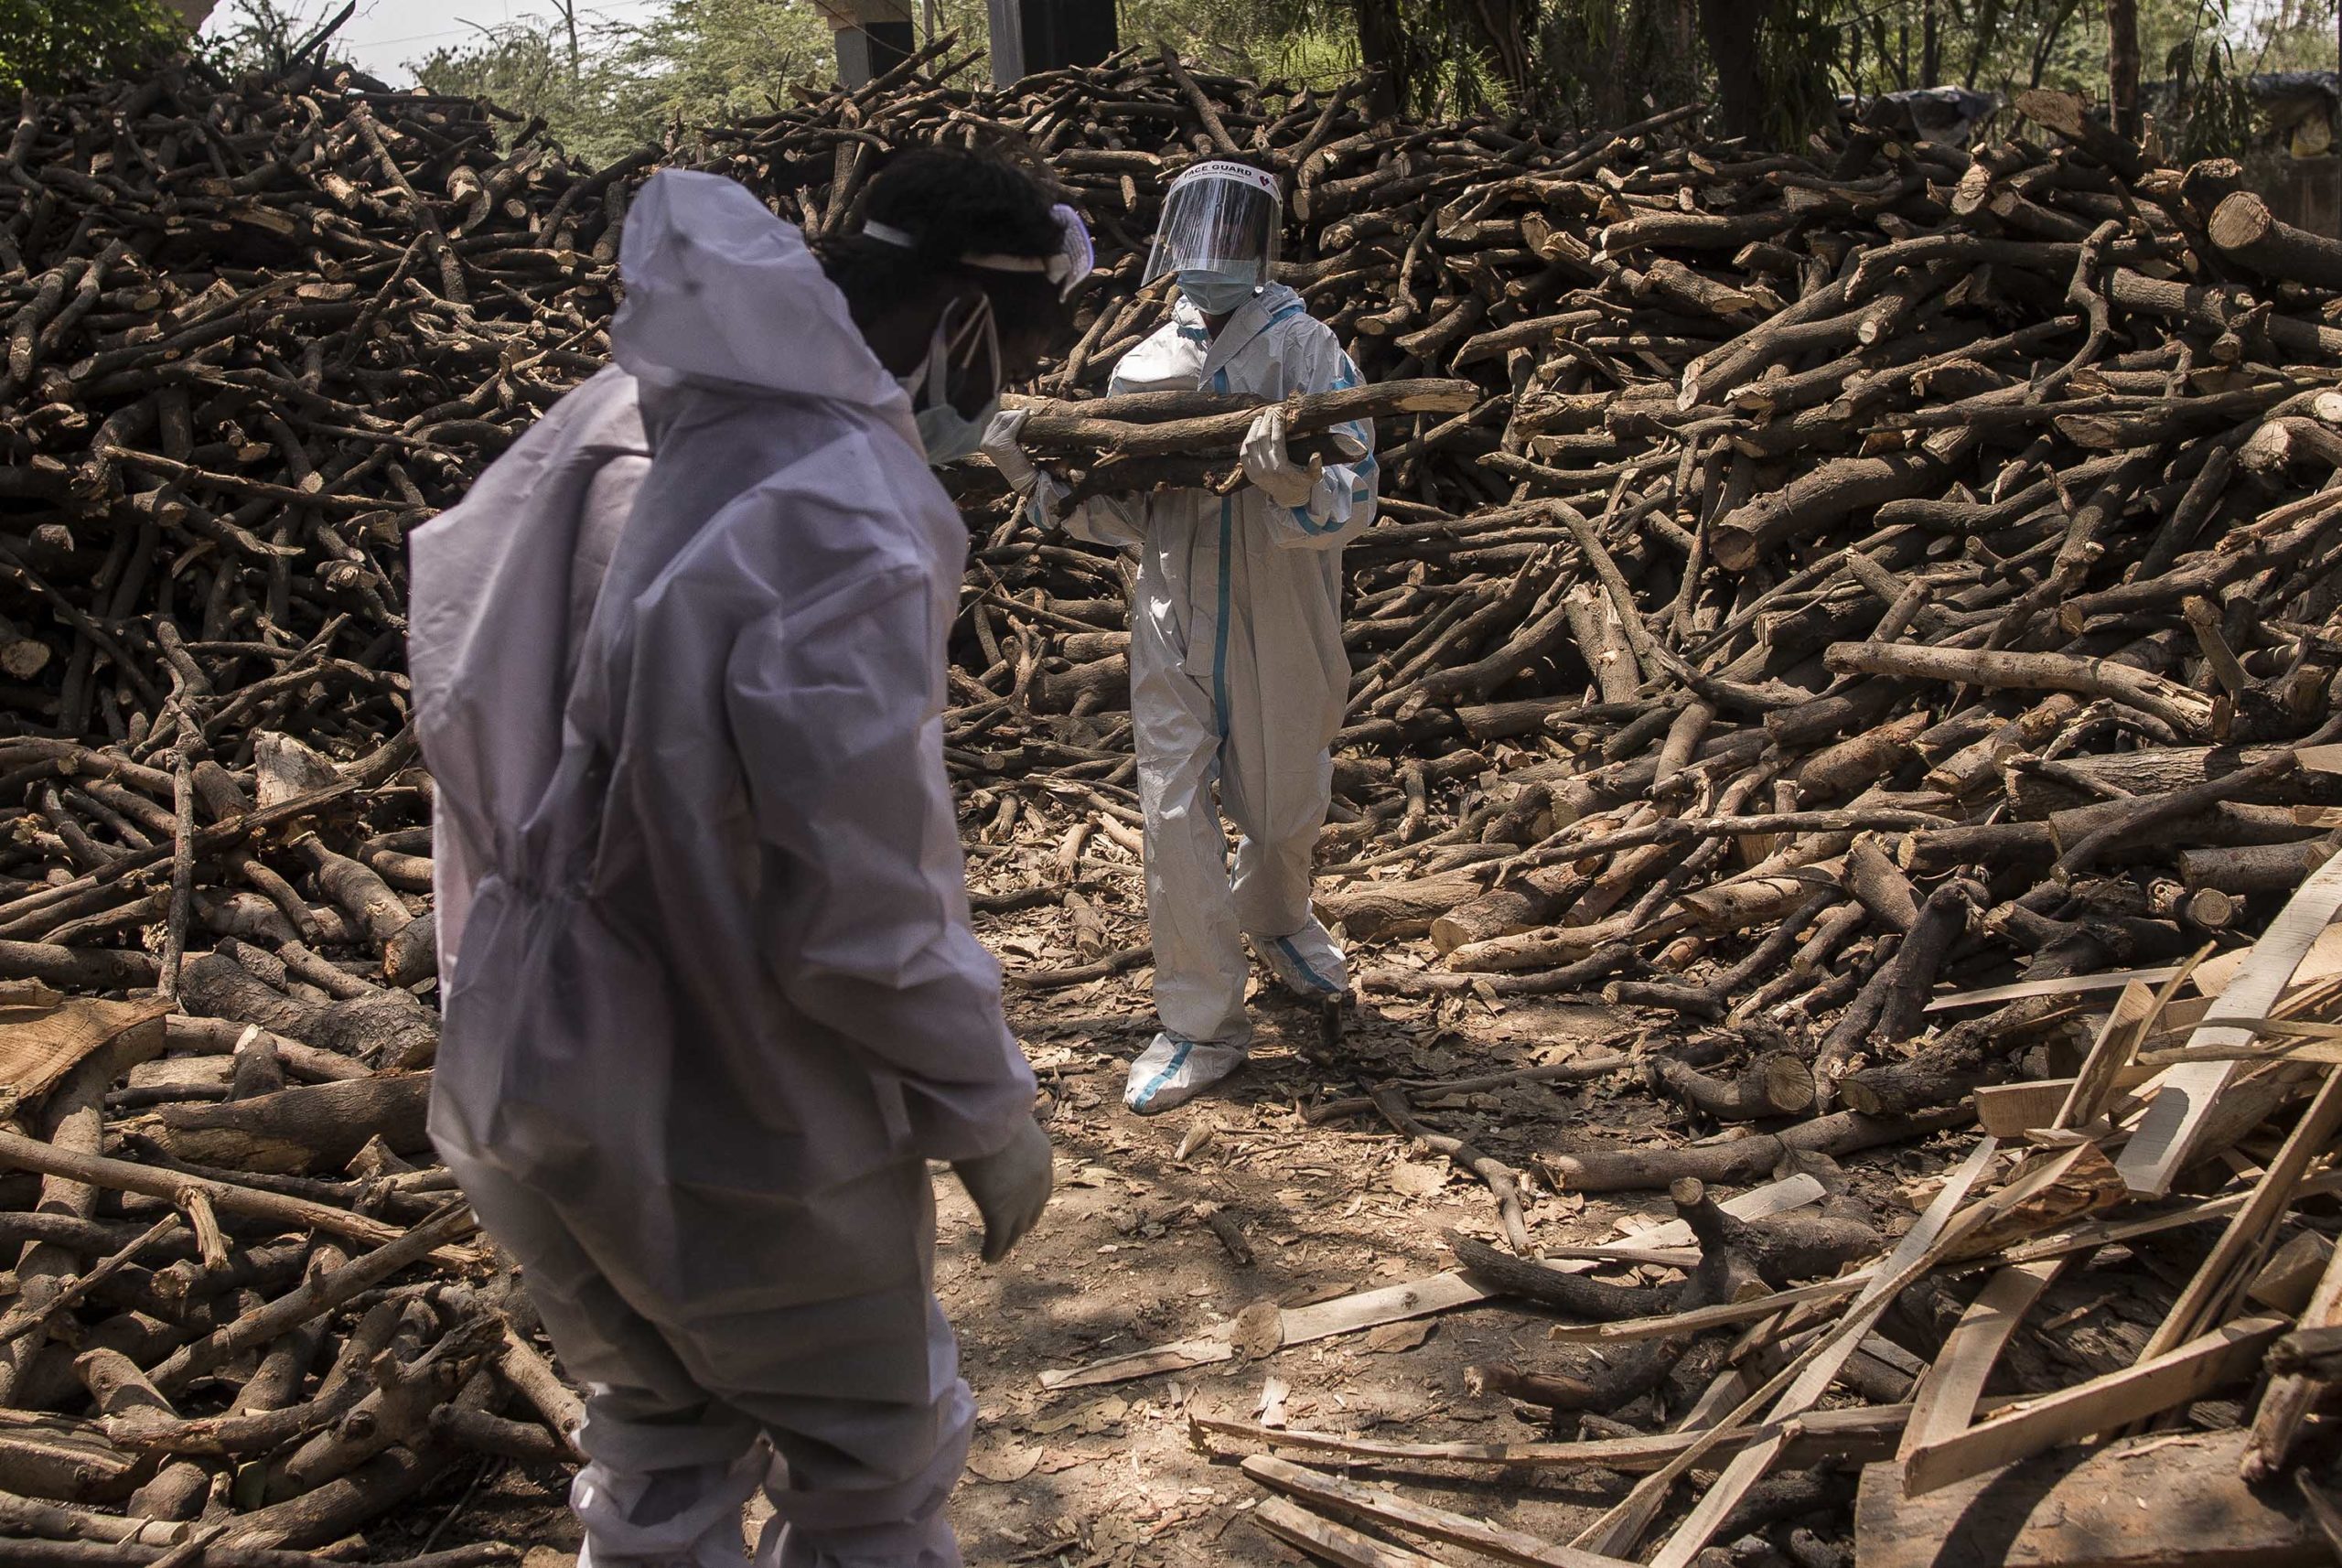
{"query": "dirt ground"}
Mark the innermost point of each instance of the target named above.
(1122, 1262)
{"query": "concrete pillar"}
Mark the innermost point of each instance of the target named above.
(872, 37)
(1042, 35)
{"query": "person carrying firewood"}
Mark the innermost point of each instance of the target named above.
(1237, 671)
(713, 1001)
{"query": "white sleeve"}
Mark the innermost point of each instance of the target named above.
(1116, 520)
(836, 707)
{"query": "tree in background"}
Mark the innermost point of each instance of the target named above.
(697, 62)
(2122, 63)
(48, 44)
(1771, 69)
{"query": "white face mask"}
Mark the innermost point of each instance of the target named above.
(957, 346)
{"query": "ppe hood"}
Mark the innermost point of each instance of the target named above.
(720, 292)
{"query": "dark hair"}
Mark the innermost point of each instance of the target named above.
(952, 203)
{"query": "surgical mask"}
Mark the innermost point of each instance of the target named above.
(1218, 291)
(964, 339)
(949, 435)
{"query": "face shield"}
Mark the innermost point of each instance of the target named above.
(1220, 218)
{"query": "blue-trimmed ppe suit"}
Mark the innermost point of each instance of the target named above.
(1237, 671)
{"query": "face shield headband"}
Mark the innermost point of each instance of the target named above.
(1071, 264)
(1222, 219)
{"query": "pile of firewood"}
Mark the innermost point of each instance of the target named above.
(1807, 584)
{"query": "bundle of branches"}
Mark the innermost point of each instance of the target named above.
(252, 337)
(1952, 1377)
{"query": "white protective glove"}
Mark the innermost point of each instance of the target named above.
(1271, 467)
(1007, 454)
(1010, 1188)
(1043, 491)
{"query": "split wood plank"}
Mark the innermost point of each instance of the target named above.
(2183, 1096)
(2156, 1502)
(2101, 1404)
(1297, 1526)
(1855, 1432)
(2225, 1272)
(1699, 1320)
(45, 1035)
(2062, 985)
(1618, 1531)
(2288, 1281)
(2101, 1073)
(1347, 1314)
(1340, 1496)
(2013, 1110)
(1942, 1224)
(1945, 1401)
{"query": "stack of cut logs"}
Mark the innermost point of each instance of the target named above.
(1806, 583)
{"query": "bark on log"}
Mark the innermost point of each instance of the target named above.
(2243, 227)
(1743, 1160)
(315, 1126)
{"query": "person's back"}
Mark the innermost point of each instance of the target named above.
(713, 998)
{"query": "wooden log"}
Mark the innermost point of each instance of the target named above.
(2065, 113)
(2157, 770)
(1742, 1160)
(311, 1127)
(2245, 229)
(2240, 869)
(2290, 1396)
(1377, 911)
(1152, 424)
(1879, 886)
(2184, 710)
(1780, 1249)
(1775, 1084)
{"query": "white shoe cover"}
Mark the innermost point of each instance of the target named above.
(1309, 963)
(1171, 1071)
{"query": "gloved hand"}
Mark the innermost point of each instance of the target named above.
(1043, 491)
(1271, 468)
(1007, 454)
(1010, 1186)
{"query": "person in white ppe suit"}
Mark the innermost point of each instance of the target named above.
(1237, 671)
(713, 999)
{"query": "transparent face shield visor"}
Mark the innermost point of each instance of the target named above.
(1216, 223)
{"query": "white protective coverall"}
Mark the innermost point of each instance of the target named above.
(714, 1001)
(1238, 674)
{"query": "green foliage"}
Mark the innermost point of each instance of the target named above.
(697, 63)
(1578, 63)
(1607, 62)
(2215, 117)
(51, 44)
(1799, 44)
(1314, 42)
(2289, 35)
(257, 37)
